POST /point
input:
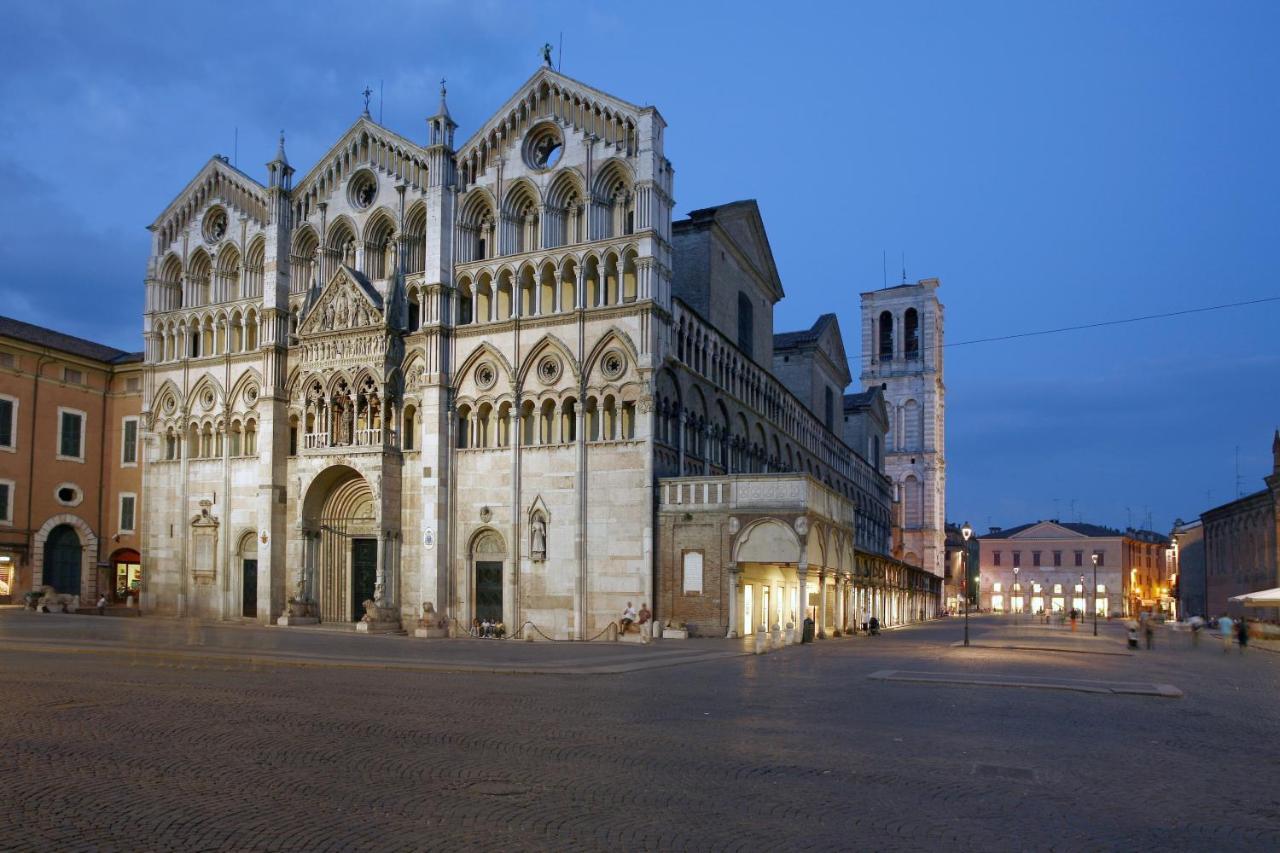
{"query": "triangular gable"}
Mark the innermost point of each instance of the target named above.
(346, 302)
(745, 227)
(831, 342)
(545, 80)
(407, 160)
(1048, 530)
(218, 180)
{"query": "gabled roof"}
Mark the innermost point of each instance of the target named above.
(42, 337)
(1070, 527)
(361, 125)
(555, 81)
(741, 223)
(344, 292)
(217, 179)
(823, 335)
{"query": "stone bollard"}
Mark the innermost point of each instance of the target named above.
(790, 637)
(775, 636)
(760, 640)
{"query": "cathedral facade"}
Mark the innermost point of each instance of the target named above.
(422, 373)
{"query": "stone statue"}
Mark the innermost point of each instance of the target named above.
(327, 319)
(538, 540)
(546, 54)
(431, 625)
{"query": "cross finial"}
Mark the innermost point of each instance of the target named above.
(443, 90)
(368, 93)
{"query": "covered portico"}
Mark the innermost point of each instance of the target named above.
(744, 553)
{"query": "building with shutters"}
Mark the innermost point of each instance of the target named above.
(455, 372)
(70, 465)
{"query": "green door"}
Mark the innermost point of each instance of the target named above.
(489, 591)
(62, 560)
(364, 574)
(249, 596)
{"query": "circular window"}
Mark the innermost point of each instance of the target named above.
(363, 189)
(486, 376)
(215, 225)
(169, 404)
(206, 398)
(68, 494)
(613, 364)
(251, 395)
(543, 147)
(549, 369)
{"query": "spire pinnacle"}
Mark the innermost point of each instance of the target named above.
(444, 107)
(280, 150)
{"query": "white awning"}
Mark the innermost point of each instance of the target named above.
(1262, 598)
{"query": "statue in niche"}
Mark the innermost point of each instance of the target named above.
(538, 540)
(343, 311)
(327, 319)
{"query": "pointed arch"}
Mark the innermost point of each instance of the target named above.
(612, 336)
(548, 343)
(473, 358)
(250, 377)
(415, 232)
(205, 381)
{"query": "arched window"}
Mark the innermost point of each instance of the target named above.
(746, 325)
(410, 427)
(886, 336)
(911, 333)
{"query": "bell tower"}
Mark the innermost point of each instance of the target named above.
(902, 354)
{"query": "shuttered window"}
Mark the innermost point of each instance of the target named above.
(70, 433)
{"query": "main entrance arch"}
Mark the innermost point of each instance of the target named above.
(339, 515)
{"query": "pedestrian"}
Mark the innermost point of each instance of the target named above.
(102, 604)
(644, 619)
(1224, 628)
(1149, 632)
(1242, 633)
(628, 617)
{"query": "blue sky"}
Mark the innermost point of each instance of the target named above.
(1052, 163)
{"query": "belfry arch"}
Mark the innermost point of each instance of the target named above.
(342, 552)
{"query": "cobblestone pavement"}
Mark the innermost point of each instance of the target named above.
(793, 750)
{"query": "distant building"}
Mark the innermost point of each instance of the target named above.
(1189, 568)
(70, 465)
(1240, 541)
(1038, 567)
(953, 583)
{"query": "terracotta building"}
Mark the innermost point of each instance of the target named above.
(70, 465)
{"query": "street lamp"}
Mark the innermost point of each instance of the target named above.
(1095, 595)
(966, 532)
(1014, 596)
(1084, 602)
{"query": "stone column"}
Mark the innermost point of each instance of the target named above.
(380, 578)
(734, 631)
(821, 627)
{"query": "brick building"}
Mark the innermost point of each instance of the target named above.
(70, 465)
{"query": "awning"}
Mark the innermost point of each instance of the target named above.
(1263, 598)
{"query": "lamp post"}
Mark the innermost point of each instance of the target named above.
(1013, 596)
(1083, 601)
(1095, 595)
(966, 532)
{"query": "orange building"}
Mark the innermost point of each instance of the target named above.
(70, 465)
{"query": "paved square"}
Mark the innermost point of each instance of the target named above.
(248, 738)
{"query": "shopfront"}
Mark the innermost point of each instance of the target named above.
(126, 572)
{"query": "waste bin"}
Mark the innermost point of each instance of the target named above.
(807, 636)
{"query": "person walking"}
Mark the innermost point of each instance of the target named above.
(1242, 634)
(1149, 632)
(102, 604)
(1224, 628)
